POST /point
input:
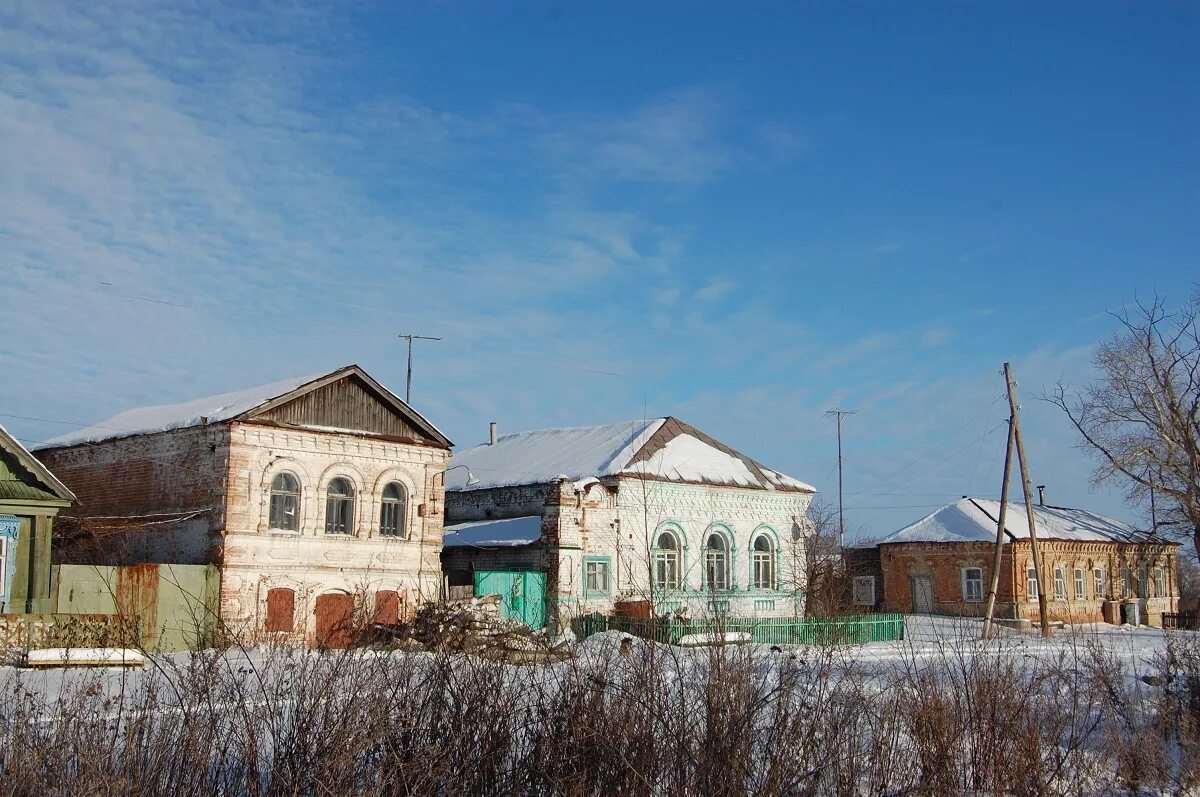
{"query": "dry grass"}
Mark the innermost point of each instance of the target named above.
(969, 720)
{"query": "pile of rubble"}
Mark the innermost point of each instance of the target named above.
(472, 626)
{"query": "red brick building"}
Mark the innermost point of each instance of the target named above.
(1092, 566)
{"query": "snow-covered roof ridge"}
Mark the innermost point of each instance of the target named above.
(975, 520)
(215, 409)
(658, 448)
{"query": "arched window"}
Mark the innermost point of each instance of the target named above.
(716, 563)
(393, 510)
(666, 562)
(339, 507)
(285, 502)
(762, 563)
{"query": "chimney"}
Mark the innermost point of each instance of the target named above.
(1041, 494)
(493, 435)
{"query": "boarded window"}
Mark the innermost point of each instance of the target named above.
(281, 610)
(387, 607)
(335, 620)
(864, 591)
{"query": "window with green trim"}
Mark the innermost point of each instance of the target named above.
(596, 576)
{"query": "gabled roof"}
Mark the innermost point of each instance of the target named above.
(975, 520)
(664, 449)
(47, 484)
(236, 405)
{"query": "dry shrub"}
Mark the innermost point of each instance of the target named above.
(970, 718)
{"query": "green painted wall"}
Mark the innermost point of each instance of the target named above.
(30, 590)
(177, 604)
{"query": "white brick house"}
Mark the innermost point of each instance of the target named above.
(651, 511)
(318, 498)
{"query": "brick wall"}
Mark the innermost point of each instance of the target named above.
(309, 561)
(943, 563)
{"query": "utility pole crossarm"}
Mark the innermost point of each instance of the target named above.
(408, 382)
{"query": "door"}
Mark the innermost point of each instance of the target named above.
(922, 593)
(335, 620)
(522, 594)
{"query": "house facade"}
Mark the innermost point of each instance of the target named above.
(1093, 567)
(319, 500)
(30, 498)
(653, 515)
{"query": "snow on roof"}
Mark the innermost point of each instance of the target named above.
(678, 453)
(975, 520)
(164, 417)
(688, 459)
(494, 533)
(546, 454)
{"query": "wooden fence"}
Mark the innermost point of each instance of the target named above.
(774, 631)
(1182, 621)
(32, 631)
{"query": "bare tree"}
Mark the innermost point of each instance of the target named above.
(821, 565)
(1141, 418)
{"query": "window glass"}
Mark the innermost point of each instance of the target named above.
(666, 562)
(595, 574)
(716, 563)
(392, 511)
(1080, 585)
(1098, 586)
(1060, 584)
(1160, 582)
(973, 584)
(1031, 584)
(762, 563)
(285, 503)
(339, 507)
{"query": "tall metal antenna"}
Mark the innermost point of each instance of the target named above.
(408, 385)
(839, 414)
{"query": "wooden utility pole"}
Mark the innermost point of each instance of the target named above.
(1027, 490)
(998, 556)
(408, 384)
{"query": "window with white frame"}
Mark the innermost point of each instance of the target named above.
(1080, 584)
(762, 563)
(1126, 582)
(972, 584)
(1031, 583)
(863, 591)
(285, 503)
(392, 510)
(339, 507)
(1143, 583)
(1160, 582)
(595, 576)
(1099, 583)
(716, 563)
(1060, 583)
(667, 562)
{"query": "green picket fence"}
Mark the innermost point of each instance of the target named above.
(774, 631)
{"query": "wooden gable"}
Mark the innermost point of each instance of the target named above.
(24, 479)
(349, 400)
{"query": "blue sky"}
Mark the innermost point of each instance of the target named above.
(739, 214)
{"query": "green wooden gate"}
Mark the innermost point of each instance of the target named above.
(522, 594)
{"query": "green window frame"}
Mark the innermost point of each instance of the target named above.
(594, 569)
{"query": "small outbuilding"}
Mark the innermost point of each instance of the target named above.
(1094, 568)
(30, 497)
